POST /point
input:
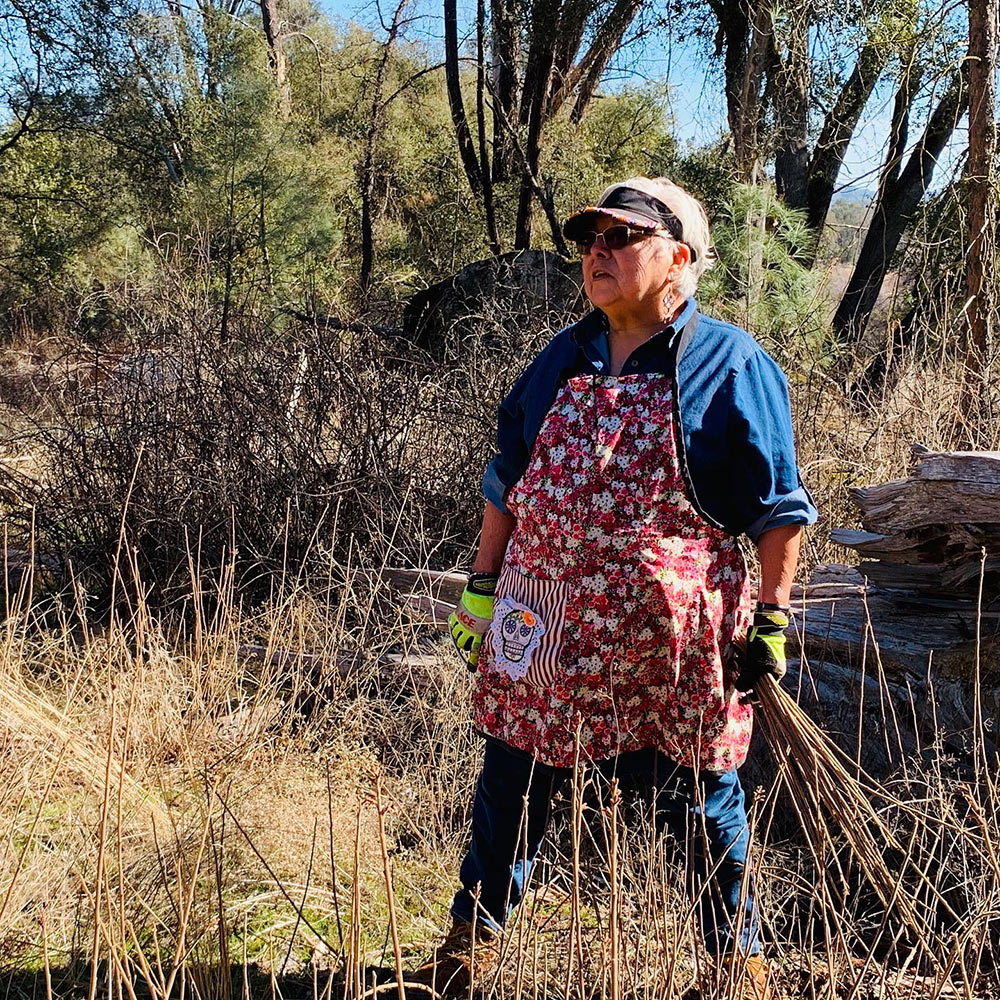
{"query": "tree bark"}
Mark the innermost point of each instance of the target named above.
(791, 105)
(980, 176)
(543, 23)
(466, 149)
(492, 235)
(504, 90)
(894, 210)
(276, 54)
(584, 76)
(745, 39)
(899, 126)
(537, 77)
(569, 37)
(606, 43)
(730, 43)
(837, 132)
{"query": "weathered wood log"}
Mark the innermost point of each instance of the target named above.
(922, 656)
(905, 504)
(852, 623)
(904, 576)
(970, 466)
(932, 578)
(308, 678)
(443, 586)
(945, 543)
(299, 660)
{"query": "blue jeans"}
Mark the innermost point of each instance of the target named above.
(704, 812)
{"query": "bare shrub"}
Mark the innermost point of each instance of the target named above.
(277, 449)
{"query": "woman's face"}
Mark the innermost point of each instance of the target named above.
(635, 280)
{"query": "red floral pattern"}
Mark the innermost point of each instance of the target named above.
(655, 594)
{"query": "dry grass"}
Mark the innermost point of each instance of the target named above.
(183, 819)
(176, 824)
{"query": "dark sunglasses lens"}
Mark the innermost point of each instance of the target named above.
(616, 237)
(585, 241)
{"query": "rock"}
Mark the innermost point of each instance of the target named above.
(527, 290)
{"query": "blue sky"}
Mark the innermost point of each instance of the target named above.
(695, 95)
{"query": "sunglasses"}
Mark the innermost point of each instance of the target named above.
(614, 237)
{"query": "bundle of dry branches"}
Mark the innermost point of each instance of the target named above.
(830, 793)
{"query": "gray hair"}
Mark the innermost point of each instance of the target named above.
(693, 220)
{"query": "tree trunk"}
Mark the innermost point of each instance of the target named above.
(503, 54)
(537, 77)
(543, 23)
(745, 39)
(895, 208)
(569, 38)
(452, 79)
(552, 75)
(791, 105)
(492, 235)
(730, 43)
(276, 54)
(585, 75)
(375, 129)
(837, 132)
(980, 175)
(606, 44)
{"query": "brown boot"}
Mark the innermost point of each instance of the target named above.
(463, 958)
(752, 978)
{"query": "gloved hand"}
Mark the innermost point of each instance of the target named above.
(471, 619)
(765, 650)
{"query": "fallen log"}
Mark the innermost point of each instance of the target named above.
(905, 504)
(925, 646)
(945, 543)
(973, 466)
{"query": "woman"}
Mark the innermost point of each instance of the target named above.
(609, 594)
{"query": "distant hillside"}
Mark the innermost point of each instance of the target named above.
(855, 194)
(846, 225)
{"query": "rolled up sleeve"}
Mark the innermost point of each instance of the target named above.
(762, 444)
(494, 488)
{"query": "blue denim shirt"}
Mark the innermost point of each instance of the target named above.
(735, 440)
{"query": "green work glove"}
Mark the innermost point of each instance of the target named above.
(471, 619)
(765, 652)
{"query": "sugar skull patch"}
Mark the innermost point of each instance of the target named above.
(516, 632)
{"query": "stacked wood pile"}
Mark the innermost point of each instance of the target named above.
(924, 537)
(907, 630)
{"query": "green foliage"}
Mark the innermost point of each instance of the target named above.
(63, 195)
(168, 147)
(262, 204)
(622, 135)
(708, 172)
(761, 280)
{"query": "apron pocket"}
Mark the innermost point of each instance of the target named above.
(526, 633)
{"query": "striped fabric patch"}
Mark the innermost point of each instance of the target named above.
(546, 599)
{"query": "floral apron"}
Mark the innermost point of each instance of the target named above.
(617, 604)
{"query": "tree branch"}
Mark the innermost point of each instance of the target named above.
(838, 129)
(544, 198)
(454, 87)
(22, 120)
